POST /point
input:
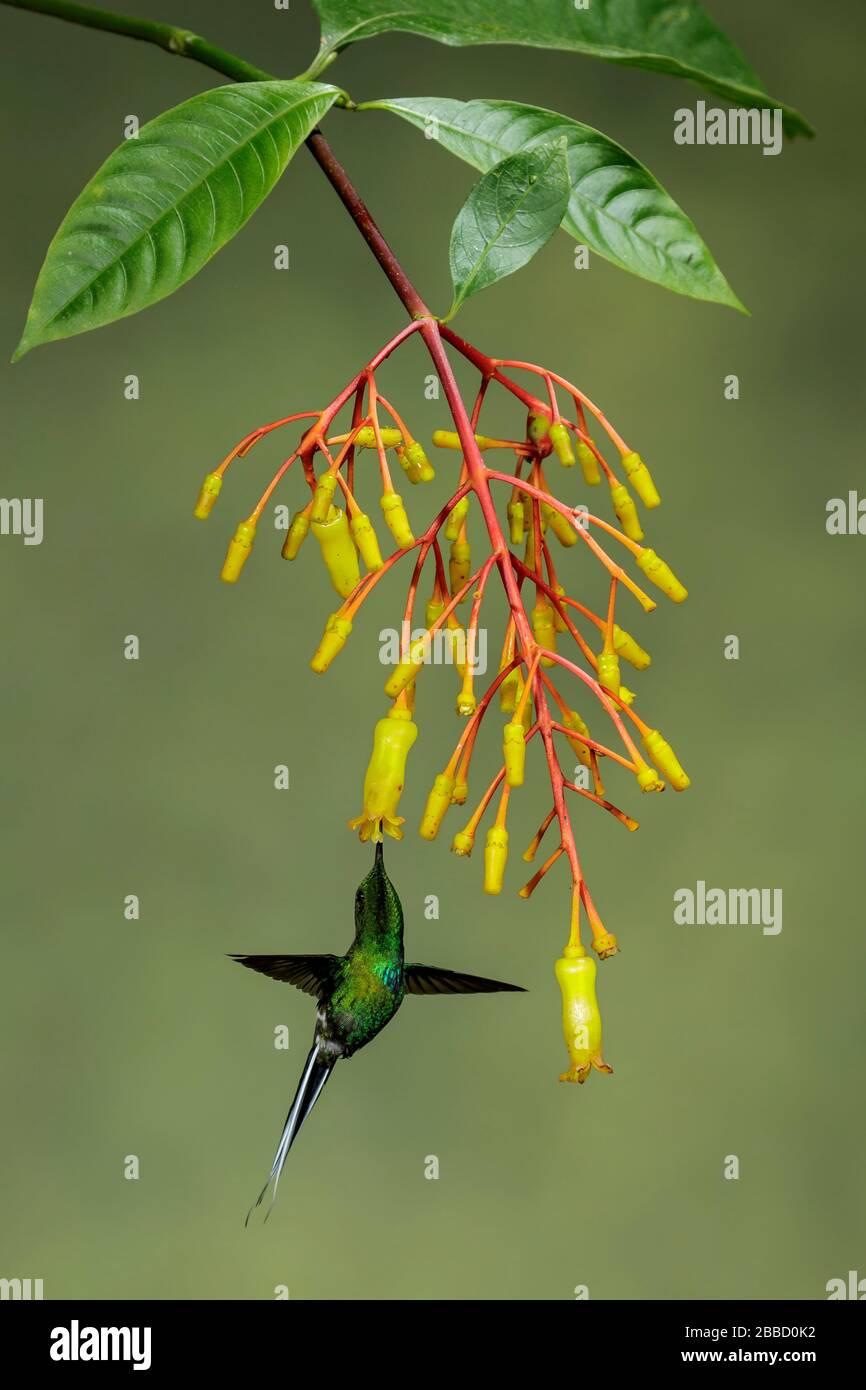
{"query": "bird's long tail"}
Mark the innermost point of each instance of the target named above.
(310, 1087)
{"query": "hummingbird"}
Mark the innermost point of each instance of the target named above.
(357, 995)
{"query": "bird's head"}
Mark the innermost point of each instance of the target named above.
(377, 907)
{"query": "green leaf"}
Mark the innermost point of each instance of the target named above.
(164, 203)
(615, 205)
(509, 215)
(671, 36)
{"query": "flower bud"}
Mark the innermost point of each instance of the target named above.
(438, 802)
(208, 494)
(396, 519)
(495, 858)
(561, 441)
(608, 671)
(543, 629)
(508, 691)
(572, 720)
(366, 541)
(626, 511)
(559, 525)
(665, 760)
(323, 497)
(463, 842)
(515, 520)
(460, 793)
(456, 518)
(459, 563)
(435, 608)
(581, 1018)
(416, 463)
(238, 552)
(538, 428)
(558, 620)
(641, 479)
(366, 438)
(407, 670)
(296, 535)
(337, 630)
(630, 650)
(514, 753)
(588, 464)
(661, 575)
(458, 643)
(338, 551)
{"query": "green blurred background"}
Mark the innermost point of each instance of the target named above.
(156, 777)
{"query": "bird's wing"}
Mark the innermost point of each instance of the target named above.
(428, 979)
(313, 974)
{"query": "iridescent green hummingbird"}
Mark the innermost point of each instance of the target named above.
(357, 994)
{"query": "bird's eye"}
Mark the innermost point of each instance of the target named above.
(359, 899)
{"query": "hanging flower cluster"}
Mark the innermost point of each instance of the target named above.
(522, 515)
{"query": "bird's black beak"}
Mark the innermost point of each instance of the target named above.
(379, 860)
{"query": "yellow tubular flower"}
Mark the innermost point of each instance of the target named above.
(605, 945)
(661, 575)
(386, 773)
(559, 438)
(296, 535)
(459, 562)
(543, 629)
(665, 760)
(581, 1018)
(456, 518)
(514, 753)
(323, 497)
(515, 521)
(438, 802)
(238, 552)
(495, 858)
(396, 519)
(588, 464)
(366, 540)
(608, 672)
(366, 438)
(647, 778)
(417, 464)
(630, 650)
(626, 511)
(406, 672)
(208, 494)
(559, 525)
(338, 551)
(334, 638)
(641, 479)
(572, 720)
(466, 702)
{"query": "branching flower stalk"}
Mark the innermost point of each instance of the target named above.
(529, 691)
